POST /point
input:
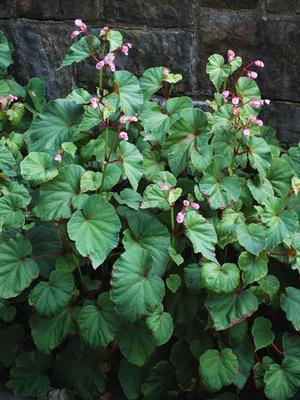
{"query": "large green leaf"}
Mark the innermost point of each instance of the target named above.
(252, 237)
(50, 298)
(136, 289)
(151, 81)
(57, 196)
(218, 369)
(80, 50)
(95, 229)
(290, 303)
(5, 53)
(48, 333)
(220, 279)
(130, 94)
(131, 379)
(136, 342)
(260, 189)
(228, 310)
(220, 191)
(38, 168)
(17, 270)
(291, 346)
(217, 70)
(98, 322)
(202, 234)
(259, 155)
(148, 233)
(254, 267)
(280, 175)
(11, 211)
(262, 333)
(161, 325)
(132, 162)
(28, 377)
(282, 381)
(37, 92)
(7, 162)
(55, 125)
(281, 223)
(246, 357)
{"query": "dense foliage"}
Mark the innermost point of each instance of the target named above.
(148, 248)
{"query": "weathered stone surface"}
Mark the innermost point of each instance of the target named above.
(54, 9)
(171, 49)
(281, 6)
(285, 118)
(231, 4)
(274, 40)
(39, 50)
(175, 13)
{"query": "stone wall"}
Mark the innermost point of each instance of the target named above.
(180, 34)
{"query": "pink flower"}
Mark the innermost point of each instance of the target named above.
(259, 63)
(166, 72)
(246, 132)
(180, 217)
(74, 34)
(195, 205)
(11, 97)
(80, 25)
(2, 102)
(258, 122)
(123, 135)
(105, 29)
(133, 118)
(231, 55)
(236, 111)
(235, 100)
(225, 94)
(125, 48)
(267, 101)
(252, 118)
(100, 64)
(94, 102)
(58, 158)
(126, 118)
(109, 60)
(255, 103)
(252, 74)
(165, 187)
(186, 203)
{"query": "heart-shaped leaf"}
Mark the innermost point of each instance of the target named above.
(132, 162)
(81, 50)
(290, 303)
(262, 333)
(220, 279)
(254, 267)
(161, 325)
(38, 168)
(130, 94)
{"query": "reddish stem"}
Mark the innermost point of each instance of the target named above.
(281, 353)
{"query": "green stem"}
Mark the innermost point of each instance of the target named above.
(106, 143)
(172, 226)
(101, 82)
(106, 160)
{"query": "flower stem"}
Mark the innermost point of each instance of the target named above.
(106, 159)
(172, 226)
(101, 82)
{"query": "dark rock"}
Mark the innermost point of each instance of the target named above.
(276, 41)
(175, 13)
(285, 118)
(281, 6)
(39, 50)
(231, 4)
(171, 49)
(56, 9)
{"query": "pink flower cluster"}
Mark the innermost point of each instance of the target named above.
(186, 203)
(94, 102)
(123, 135)
(82, 28)
(127, 118)
(10, 98)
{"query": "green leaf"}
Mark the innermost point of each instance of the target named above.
(177, 258)
(7, 162)
(90, 119)
(136, 289)
(7, 312)
(151, 81)
(80, 96)
(260, 189)
(28, 377)
(262, 333)
(129, 198)
(48, 333)
(152, 164)
(17, 270)
(173, 282)
(98, 322)
(219, 279)
(281, 223)
(270, 285)
(132, 162)
(260, 155)
(280, 175)
(245, 355)
(228, 310)
(10, 344)
(37, 92)
(161, 325)
(130, 94)
(252, 237)
(146, 232)
(55, 125)
(192, 278)
(202, 234)
(247, 89)
(291, 346)
(158, 382)
(80, 50)
(5, 53)
(290, 304)
(172, 78)
(184, 364)
(202, 157)
(90, 181)
(222, 123)
(136, 342)
(221, 191)
(50, 298)
(217, 70)
(254, 267)
(38, 168)
(218, 369)
(282, 381)
(11, 211)
(131, 380)
(57, 196)
(95, 229)
(115, 39)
